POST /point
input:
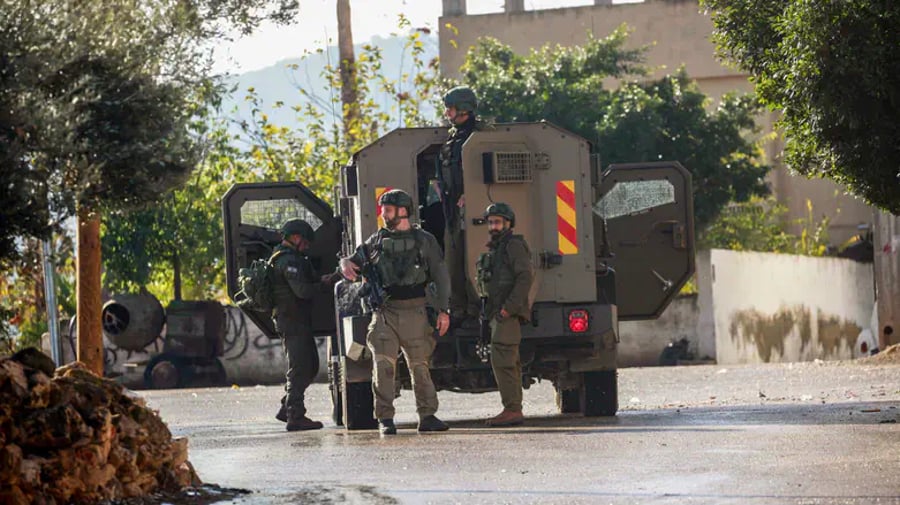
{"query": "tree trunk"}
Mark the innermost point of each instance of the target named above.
(90, 329)
(176, 267)
(348, 72)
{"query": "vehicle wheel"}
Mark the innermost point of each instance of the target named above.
(599, 393)
(358, 402)
(334, 385)
(568, 401)
(163, 372)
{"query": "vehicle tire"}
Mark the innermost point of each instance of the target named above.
(599, 393)
(358, 402)
(334, 386)
(164, 371)
(568, 401)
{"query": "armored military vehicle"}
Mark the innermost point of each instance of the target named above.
(608, 245)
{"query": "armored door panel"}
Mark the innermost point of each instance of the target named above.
(648, 213)
(389, 163)
(544, 173)
(253, 214)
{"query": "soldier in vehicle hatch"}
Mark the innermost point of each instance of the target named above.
(505, 274)
(461, 104)
(406, 259)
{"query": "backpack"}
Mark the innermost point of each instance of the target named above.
(255, 285)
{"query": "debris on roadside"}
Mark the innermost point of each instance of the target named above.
(889, 356)
(69, 436)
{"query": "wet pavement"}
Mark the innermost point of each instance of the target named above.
(796, 433)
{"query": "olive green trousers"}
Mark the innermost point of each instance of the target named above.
(506, 334)
(402, 325)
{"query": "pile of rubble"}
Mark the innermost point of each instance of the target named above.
(68, 436)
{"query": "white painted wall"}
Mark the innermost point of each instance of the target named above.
(641, 342)
(776, 308)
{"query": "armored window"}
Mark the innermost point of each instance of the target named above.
(633, 197)
(271, 214)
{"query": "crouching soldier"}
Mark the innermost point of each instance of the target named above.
(505, 274)
(407, 258)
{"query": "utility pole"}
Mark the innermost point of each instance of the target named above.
(349, 101)
(50, 300)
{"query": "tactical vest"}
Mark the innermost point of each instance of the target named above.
(399, 258)
(494, 274)
(451, 155)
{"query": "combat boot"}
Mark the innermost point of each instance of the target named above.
(506, 418)
(432, 423)
(303, 424)
(298, 422)
(282, 413)
(386, 427)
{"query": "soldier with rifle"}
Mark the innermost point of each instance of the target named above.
(405, 259)
(505, 274)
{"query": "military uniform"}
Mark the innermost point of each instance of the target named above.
(505, 275)
(407, 262)
(294, 284)
(463, 298)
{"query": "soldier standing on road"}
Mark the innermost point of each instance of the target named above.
(294, 285)
(505, 274)
(461, 104)
(407, 258)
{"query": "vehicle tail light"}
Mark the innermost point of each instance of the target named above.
(578, 321)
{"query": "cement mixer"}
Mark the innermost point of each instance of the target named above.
(192, 335)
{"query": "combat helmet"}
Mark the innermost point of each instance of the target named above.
(297, 227)
(397, 198)
(503, 210)
(461, 97)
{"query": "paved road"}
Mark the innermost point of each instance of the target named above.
(801, 433)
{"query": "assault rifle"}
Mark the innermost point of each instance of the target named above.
(482, 347)
(373, 292)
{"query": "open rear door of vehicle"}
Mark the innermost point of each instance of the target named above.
(647, 211)
(253, 214)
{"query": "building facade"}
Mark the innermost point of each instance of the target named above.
(677, 33)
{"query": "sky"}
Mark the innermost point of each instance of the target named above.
(317, 27)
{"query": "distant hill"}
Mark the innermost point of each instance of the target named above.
(280, 82)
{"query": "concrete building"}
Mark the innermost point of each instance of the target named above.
(678, 33)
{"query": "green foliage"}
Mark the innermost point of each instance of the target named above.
(140, 247)
(563, 85)
(760, 225)
(23, 307)
(665, 119)
(98, 102)
(831, 68)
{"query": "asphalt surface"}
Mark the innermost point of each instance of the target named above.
(804, 433)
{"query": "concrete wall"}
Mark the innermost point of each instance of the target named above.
(677, 33)
(641, 342)
(777, 308)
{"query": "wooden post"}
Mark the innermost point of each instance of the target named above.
(348, 72)
(90, 328)
(887, 277)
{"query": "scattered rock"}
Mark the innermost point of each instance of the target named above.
(69, 436)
